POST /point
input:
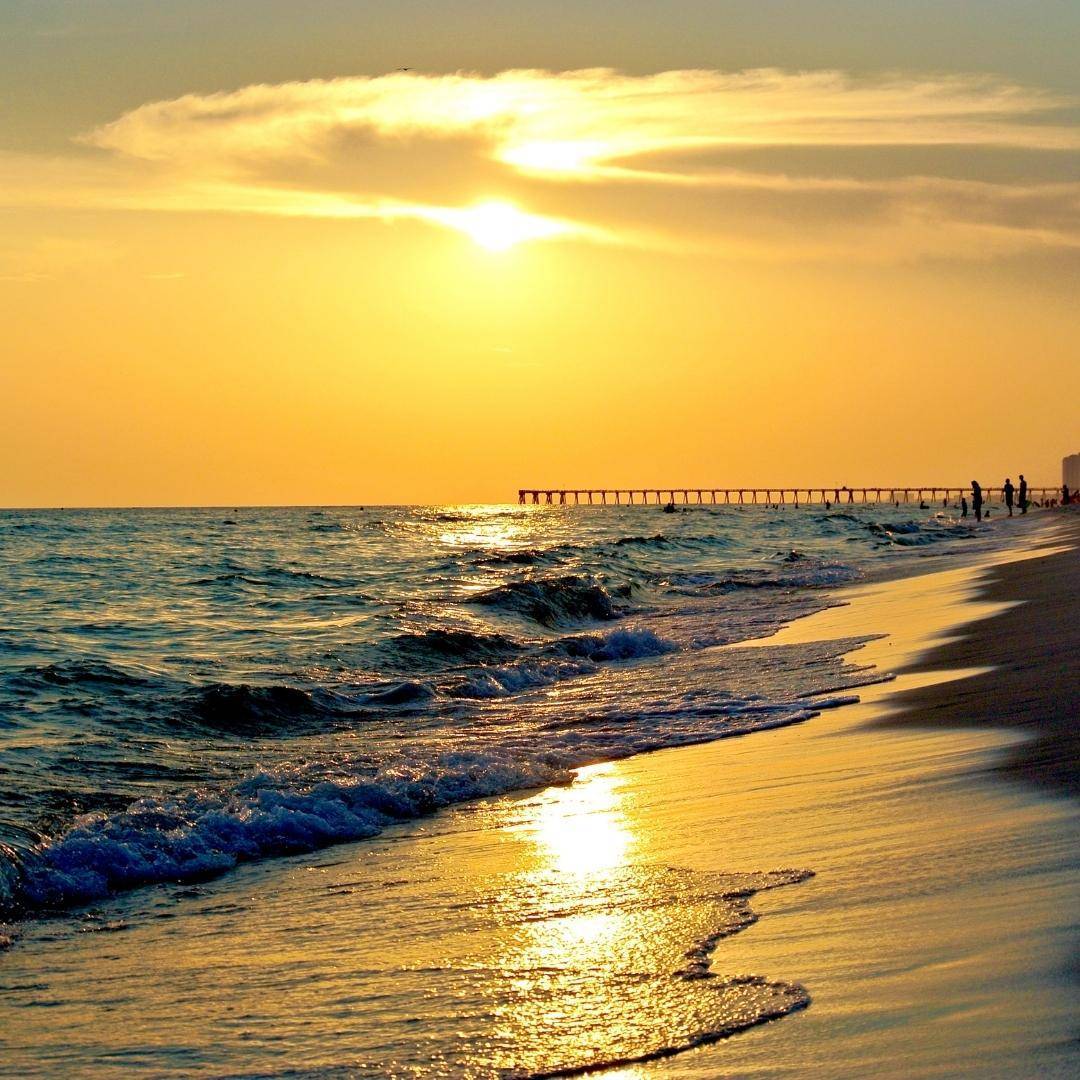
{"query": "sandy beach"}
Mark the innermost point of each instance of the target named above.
(1032, 649)
(935, 938)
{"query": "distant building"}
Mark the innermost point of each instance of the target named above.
(1070, 471)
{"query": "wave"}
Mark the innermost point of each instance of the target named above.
(689, 543)
(441, 644)
(659, 540)
(564, 659)
(798, 572)
(204, 832)
(628, 644)
(518, 557)
(229, 578)
(201, 834)
(409, 692)
(249, 709)
(917, 534)
(552, 602)
(76, 673)
(620, 546)
(270, 576)
(241, 709)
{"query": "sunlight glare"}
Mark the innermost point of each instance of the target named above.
(584, 831)
(554, 156)
(498, 226)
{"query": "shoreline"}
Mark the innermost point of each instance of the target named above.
(899, 823)
(1031, 649)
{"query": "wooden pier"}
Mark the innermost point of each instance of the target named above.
(932, 495)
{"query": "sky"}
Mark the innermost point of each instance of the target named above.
(256, 252)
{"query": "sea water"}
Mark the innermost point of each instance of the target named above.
(182, 691)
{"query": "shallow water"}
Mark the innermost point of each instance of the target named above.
(182, 691)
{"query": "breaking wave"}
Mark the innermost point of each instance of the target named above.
(552, 602)
(201, 833)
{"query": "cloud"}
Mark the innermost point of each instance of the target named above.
(574, 122)
(601, 156)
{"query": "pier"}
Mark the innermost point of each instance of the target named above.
(795, 496)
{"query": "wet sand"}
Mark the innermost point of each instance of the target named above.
(933, 940)
(1033, 649)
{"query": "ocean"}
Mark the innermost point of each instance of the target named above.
(183, 691)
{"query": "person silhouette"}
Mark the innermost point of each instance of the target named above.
(1023, 495)
(963, 506)
(976, 499)
(1065, 495)
(1009, 490)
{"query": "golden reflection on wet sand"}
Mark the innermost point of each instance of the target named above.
(608, 956)
(584, 829)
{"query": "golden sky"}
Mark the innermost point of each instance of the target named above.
(245, 259)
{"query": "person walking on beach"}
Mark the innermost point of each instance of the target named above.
(1023, 495)
(1009, 489)
(976, 499)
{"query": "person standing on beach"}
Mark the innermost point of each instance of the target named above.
(963, 506)
(1023, 495)
(1064, 494)
(976, 499)
(1009, 489)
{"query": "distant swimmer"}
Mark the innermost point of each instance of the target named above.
(1023, 495)
(1009, 492)
(976, 499)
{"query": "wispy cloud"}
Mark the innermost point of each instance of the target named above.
(570, 122)
(597, 155)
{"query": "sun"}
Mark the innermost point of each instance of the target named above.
(499, 226)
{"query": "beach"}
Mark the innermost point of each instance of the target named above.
(1032, 648)
(613, 919)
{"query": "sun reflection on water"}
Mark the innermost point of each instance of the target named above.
(584, 830)
(482, 527)
(604, 954)
(584, 906)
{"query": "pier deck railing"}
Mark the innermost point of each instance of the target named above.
(796, 496)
